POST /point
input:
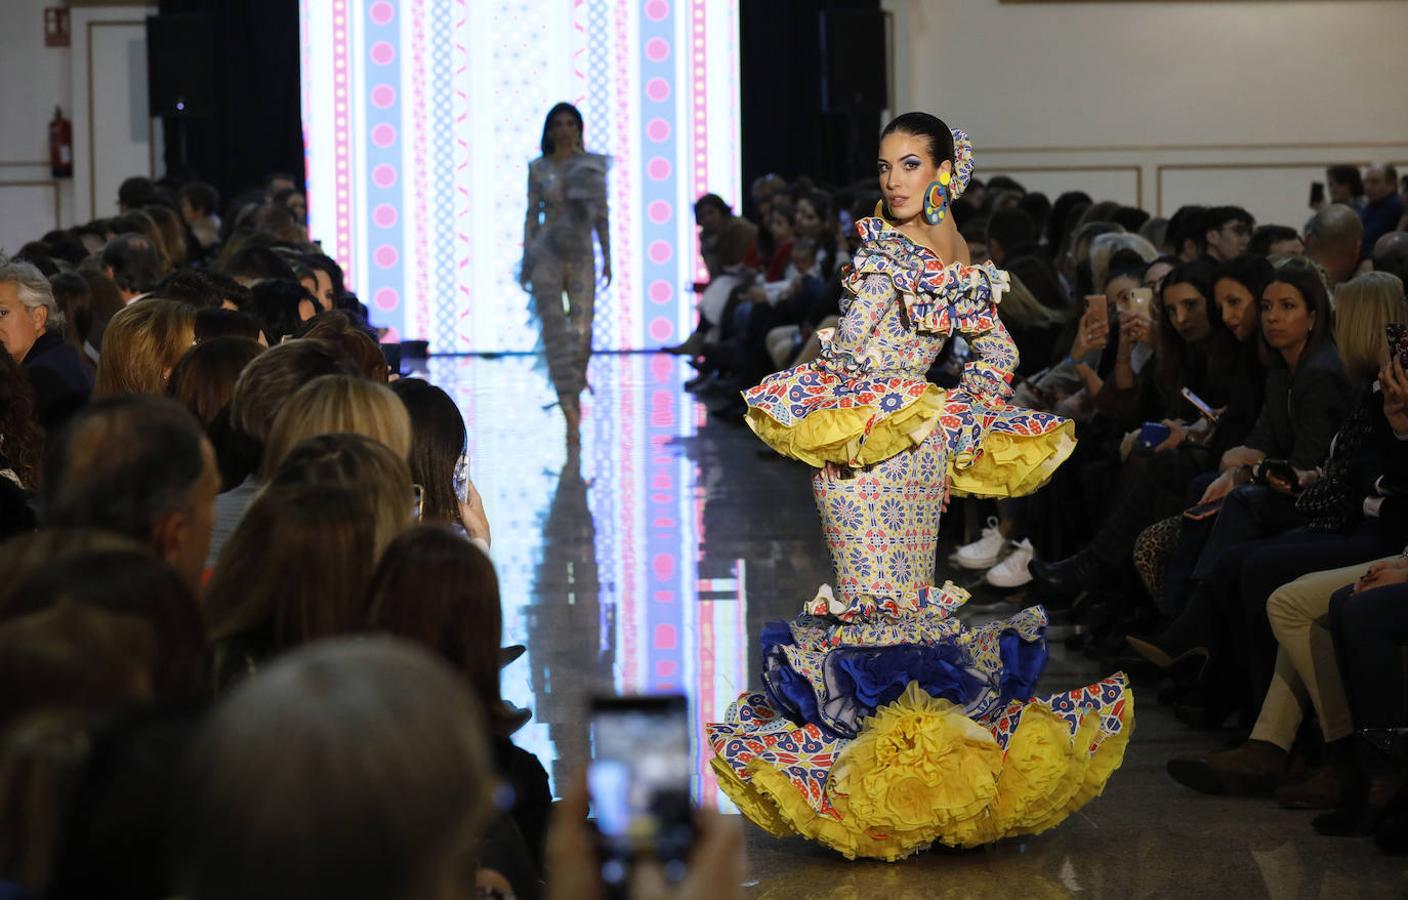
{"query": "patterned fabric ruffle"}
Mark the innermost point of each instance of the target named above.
(921, 771)
(836, 674)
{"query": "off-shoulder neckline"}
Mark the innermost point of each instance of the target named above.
(871, 232)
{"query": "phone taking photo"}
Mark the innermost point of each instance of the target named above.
(1097, 306)
(1207, 412)
(639, 780)
(1397, 334)
(1141, 300)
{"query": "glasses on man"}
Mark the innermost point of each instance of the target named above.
(1236, 228)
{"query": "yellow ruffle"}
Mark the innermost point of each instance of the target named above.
(838, 435)
(1013, 465)
(921, 773)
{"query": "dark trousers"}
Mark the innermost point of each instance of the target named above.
(1370, 631)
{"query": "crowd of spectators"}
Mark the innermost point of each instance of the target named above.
(250, 633)
(1233, 525)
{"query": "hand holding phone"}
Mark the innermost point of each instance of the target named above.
(1279, 475)
(1397, 336)
(1203, 510)
(1141, 301)
(639, 779)
(1207, 412)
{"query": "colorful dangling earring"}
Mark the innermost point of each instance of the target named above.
(936, 199)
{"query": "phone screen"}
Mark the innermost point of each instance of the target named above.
(1200, 405)
(639, 779)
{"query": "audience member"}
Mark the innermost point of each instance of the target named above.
(351, 335)
(1345, 186)
(142, 344)
(133, 264)
(1276, 240)
(218, 323)
(199, 205)
(1391, 254)
(333, 404)
(1332, 241)
(203, 380)
(138, 466)
(438, 461)
(1383, 206)
(1227, 231)
(32, 332)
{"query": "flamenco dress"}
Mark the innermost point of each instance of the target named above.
(886, 724)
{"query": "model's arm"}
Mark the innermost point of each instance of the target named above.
(988, 375)
(603, 237)
(867, 304)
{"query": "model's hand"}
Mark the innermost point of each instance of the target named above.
(606, 273)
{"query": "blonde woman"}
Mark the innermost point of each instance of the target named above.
(142, 344)
(333, 404)
(1363, 306)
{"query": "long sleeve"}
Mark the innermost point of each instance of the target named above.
(531, 218)
(1320, 408)
(988, 376)
(846, 352)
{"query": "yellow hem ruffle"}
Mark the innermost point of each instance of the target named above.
(838, 435)
(1014, 465)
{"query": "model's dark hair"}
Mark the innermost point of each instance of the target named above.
(712, 201)
(437, 442)
(546, 143)
(921, 124)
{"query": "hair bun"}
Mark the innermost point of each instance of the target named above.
(962, 164)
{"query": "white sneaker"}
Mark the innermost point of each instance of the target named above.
(985, 551)
(1012, 571)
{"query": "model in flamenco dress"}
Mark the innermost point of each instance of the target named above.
(885, 723)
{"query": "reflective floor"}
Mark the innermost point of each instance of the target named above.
(649, 560)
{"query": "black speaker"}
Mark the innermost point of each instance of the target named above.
(180, 60)
(855, 60)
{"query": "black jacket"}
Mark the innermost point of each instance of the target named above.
(60, 379)
(1303, 410)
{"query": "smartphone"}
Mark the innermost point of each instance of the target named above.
(1280, 469)
(1397, 334)
(1202, 511)
(1141, 300)
(639, 780)
(1207, 412)
(392, 354)
(417, 503)
(1097, 304)
(1152, 434)
(1317, 193)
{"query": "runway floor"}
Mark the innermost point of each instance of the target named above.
(650, 560)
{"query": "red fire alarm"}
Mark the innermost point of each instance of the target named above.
(56, 27)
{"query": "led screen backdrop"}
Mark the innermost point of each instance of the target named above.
(420, 118)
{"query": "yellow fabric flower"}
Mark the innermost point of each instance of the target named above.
(918, 764)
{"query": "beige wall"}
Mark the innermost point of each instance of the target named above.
(1163, 103)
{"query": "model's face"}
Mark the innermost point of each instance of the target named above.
(1286, 319)
(1187, 312)
(20, 326)
(566, 134)
(1240, 311)
(1228, 241)
(905, 170)
(1377, 184)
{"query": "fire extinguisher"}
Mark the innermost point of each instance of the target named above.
(61, 145)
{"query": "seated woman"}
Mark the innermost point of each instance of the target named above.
(438, 590)
(1320, 520)
(1194, 352)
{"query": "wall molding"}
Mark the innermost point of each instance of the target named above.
(1238, 165)
(50, 183)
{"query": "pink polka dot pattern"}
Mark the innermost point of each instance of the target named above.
(656, 49)
(659, 211)
(656, 10)
(660, 252)
(661, 329)
(385, 256)
(384, 135)
(658, 168)
(383, 95)
(384, 215)
(386, 299)
(384, 175)
(657, 89)
(660, 291)
(382, 12)
(382, 53)
(658, 130)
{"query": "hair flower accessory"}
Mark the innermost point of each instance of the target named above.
(962, 164)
